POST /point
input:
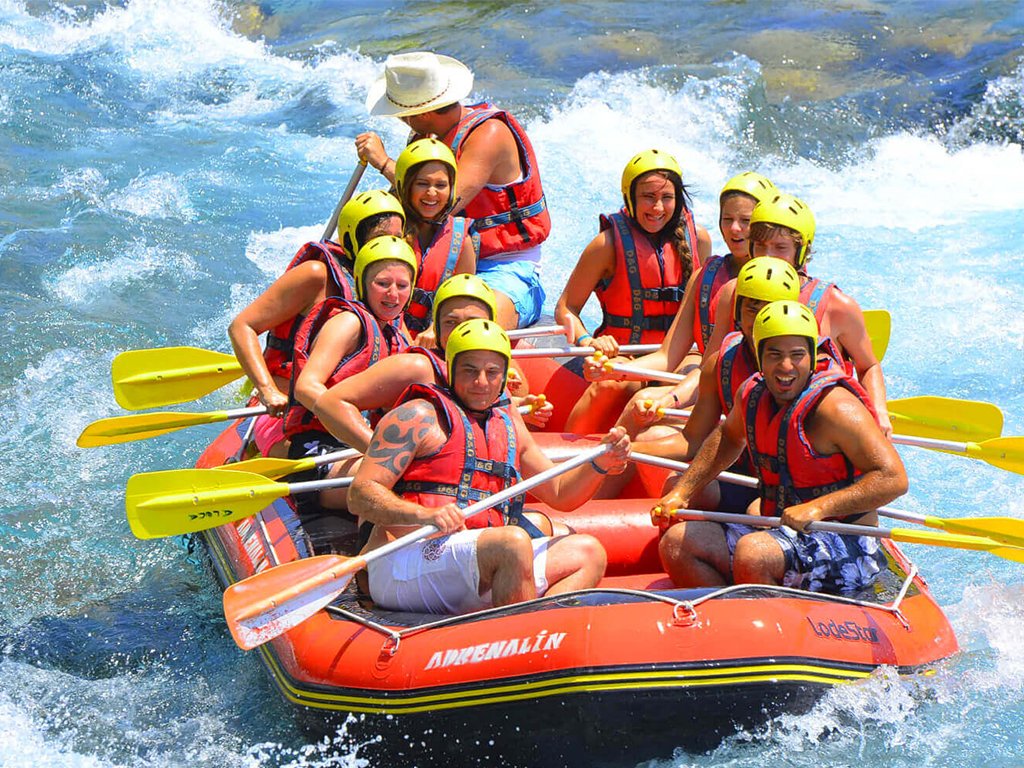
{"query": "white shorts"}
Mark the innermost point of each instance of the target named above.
(441, 575)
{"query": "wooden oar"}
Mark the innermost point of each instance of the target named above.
(265, 605)
(879, 327)
(350, 188)
(904, 535)
(180, 501)
(139, 426)
(153, 378)
(1008, 530)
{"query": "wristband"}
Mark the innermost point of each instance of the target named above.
(582, 338)
(597, 468)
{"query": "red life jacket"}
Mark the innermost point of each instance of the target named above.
(378, 341)
(509, 218)
(281, 338)
(641, 297)
(437, 264)
(789, 470)
(713, 274)
(476, 461)
(816, 295)
(735, 365)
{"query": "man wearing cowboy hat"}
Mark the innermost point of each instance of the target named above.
(498, 184)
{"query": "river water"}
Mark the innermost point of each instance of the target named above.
(160, 162)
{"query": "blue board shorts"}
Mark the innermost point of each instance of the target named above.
(520, 281)
(821, 562)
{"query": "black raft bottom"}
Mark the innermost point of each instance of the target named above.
(603, 730)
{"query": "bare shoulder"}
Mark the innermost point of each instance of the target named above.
(410, 429)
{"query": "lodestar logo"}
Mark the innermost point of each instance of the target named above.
(499, 649)
(849, 630)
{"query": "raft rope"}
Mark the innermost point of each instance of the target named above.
(394, 637)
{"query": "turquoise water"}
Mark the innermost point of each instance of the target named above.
(161, 162)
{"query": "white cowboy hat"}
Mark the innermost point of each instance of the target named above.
(414, 83)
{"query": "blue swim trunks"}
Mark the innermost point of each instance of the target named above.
(821, 562)
(520, 281)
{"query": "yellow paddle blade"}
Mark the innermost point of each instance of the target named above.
(1007, 530)
(945, 418)
(957, 541)
(153, 378)
(879, 326)
(188, 500)
(270, 603)
(1003, 452)
(125, 429)
(272, 468)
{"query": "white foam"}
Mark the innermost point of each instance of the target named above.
(157, 196)
(272, 251)
(139, 263)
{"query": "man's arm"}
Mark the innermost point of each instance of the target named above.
(707, 411)
(570, 490)
(405, 432)
(842, 424)
(489, 155)
(340, 408)
(721, 449)
(849, 330)
(723, 316)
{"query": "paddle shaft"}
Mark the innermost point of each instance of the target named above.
(628, 349)
(843, 529)
(750, 482)
(353, 182)
(491, 501)
(645, 373)
(537, 330)
(331, 582)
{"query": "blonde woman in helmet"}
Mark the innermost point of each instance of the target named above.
(819, 455)
(340, 338)
(318, 271)
(425, 177)
(637, 266)
(783, 226)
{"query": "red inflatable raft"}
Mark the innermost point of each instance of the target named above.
(611, 676)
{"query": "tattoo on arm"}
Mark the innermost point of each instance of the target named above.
(398, 436)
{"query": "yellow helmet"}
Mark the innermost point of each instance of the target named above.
(360, 208)
(384, 248)
(748, 183)
(787, 211)
(766, 279)
(784, 318)
(419, 152)
(468, 286)
(474, 335)
(645, 162)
